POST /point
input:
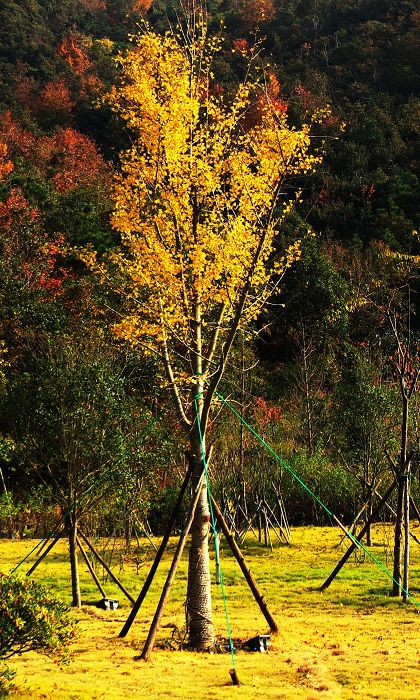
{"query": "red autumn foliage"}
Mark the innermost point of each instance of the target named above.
(49, 279)
(70, 159)
(368, 191)
(25, 85)
(77, 162)
(257, 11)
(271, 96)
(54, 101)
(242, 46)
(20, 142)
(265, 414)
(324, 196)
(71, 49)
(312, 101)
(406, 364)
(15, 207)
(74, 51)
(142, 6)
(90, 85)
(27, 255)
(6, 166)
(305, 96)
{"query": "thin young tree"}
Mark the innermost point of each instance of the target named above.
(198, 204)
(407, 369)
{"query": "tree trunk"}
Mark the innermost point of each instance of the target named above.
(198, 609)
(396, 586)
(148, 647)
(72, 535)
(306, 384)
(199, 612)
(401, 476)
(406, 567)
(369, 510)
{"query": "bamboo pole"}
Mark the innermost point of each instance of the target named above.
(244, 568)
(361, 534)
(45, 552)
(106, 567)
(150, 641)
(137, 605)
(90, 567)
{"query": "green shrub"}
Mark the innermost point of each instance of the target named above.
(32, 619)
(8, 512)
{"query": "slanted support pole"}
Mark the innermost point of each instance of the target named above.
(414, 507)
(106, 567)
(45, 552)
(90, 567)
(244, 568)
(150, 641)
(137, 605)
(361, 534)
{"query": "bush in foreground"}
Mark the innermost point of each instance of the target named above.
(31, 619)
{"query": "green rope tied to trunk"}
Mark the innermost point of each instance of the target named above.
(313, 495)
(215, 535)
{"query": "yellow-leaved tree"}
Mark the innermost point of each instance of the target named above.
(199, 202)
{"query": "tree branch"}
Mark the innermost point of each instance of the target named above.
(231, 335)
(174, 388)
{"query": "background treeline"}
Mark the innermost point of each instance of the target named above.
(322, 377)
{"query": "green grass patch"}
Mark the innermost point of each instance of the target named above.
(352, 641)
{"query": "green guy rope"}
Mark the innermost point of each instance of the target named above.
(313, 495)
(216, 546)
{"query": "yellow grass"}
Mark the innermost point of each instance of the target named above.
(353, 641)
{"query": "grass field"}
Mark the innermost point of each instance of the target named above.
(352, 641)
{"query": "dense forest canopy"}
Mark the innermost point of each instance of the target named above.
(328, 351)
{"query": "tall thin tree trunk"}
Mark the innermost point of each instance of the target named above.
(72, 535)
(406, 567)
(306, 385)
(369, 510)
(199, 611)
(368, 491)
(396, 587)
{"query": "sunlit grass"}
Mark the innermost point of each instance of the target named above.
(352, 641)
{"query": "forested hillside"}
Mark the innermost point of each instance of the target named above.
(325, 372)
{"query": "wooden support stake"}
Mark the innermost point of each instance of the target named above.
(361, 534)
(106, 567)
(414, 507)
(150, 641)
(146, 534)
(244, 533)
(234, 677)
(354, 522)
(45, 552)
(244, 568)
(137, 605)
(267, 529)
(273, 515)
(283, 516)
(391, 510)
(90, 567)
